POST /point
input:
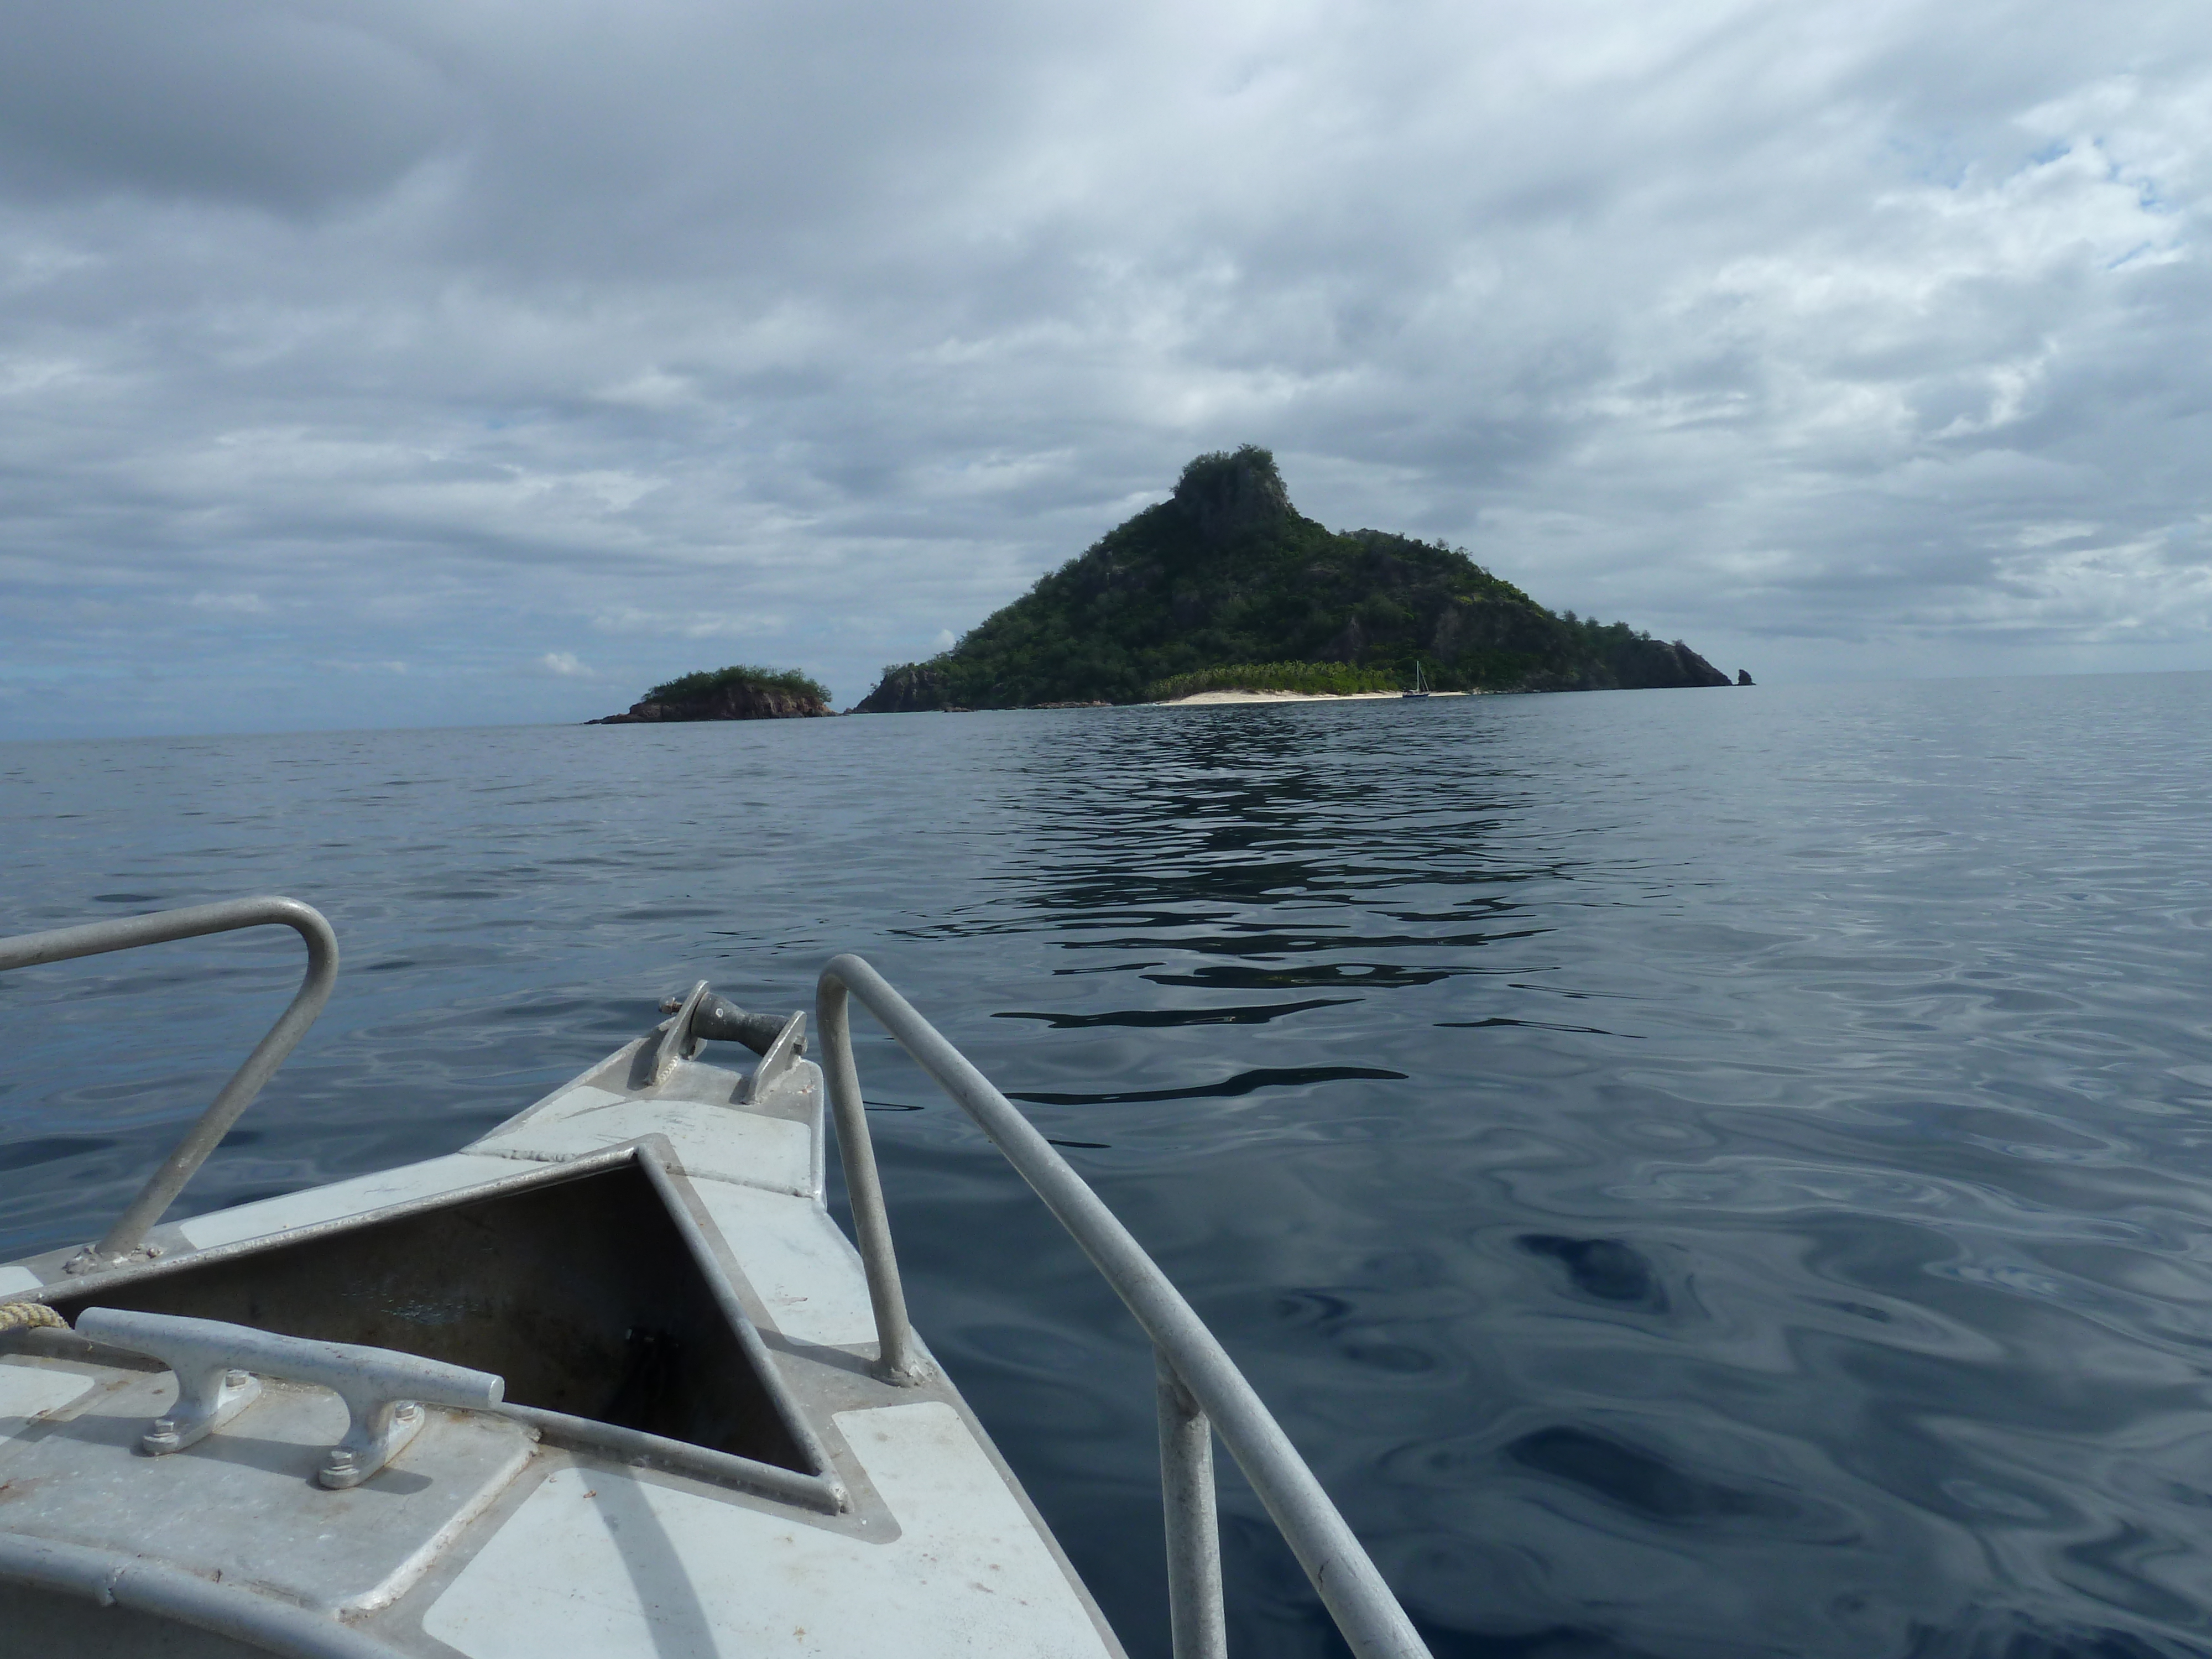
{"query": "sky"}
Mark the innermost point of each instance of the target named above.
(455, 361)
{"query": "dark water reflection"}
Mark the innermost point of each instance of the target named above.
(1699, 1173)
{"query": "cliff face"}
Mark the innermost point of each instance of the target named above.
(728, 702)
(905, 690)
(1228, 571)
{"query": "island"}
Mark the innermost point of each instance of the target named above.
(737, 693)
(1226, 587)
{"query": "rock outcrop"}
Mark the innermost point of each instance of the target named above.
(905, 690)
(740, 701)
(1227, 497)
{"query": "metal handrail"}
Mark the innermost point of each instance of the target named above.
(117, 1578)
(1201, 1388)
(95, 939)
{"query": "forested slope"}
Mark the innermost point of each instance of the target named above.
(1227, 571)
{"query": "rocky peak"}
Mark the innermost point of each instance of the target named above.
(904, 689)
(1230, 495)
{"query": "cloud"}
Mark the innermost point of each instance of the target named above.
(687, 624)
(565, 665)
(231, 605)
(1819, 335)
(268, 105)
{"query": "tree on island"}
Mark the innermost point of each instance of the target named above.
(740, 692)
(1226, 571)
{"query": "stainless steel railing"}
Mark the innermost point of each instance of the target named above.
(93, 938)
(1201, 1392)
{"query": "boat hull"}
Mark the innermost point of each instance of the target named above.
(737, 1478)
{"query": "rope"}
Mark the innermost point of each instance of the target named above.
(28, 1316)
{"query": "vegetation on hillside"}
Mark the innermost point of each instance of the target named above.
(1334, 679)
(1227, 572)
(705, 683)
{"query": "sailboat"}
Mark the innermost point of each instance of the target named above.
(1420, 685)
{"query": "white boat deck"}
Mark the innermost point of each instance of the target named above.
(503, 1536)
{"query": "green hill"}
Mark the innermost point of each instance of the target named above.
(1227, 572)
(740, 692)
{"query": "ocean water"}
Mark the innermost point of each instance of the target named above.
(1699, 1173)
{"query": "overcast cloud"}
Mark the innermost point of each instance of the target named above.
(415, 362)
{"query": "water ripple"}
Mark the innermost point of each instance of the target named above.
(1701, 1174)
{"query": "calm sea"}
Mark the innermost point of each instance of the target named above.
(1700, 1173)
